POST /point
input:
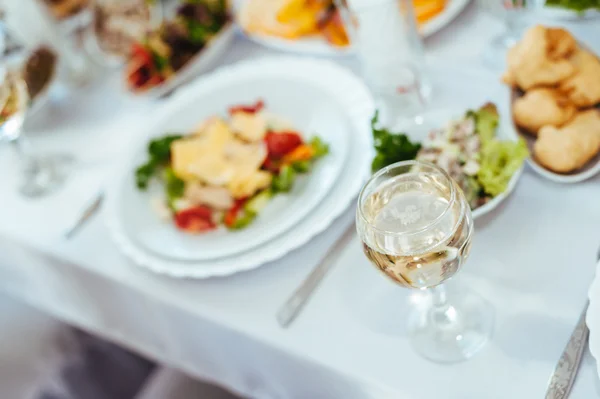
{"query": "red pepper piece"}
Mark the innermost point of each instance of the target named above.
(195, 220)
(232, 214)
(281, 143)
(249, 109)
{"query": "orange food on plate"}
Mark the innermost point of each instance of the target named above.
(294, 19)
(427, 9)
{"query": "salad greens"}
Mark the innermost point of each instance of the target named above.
(284, 180)
(174, 186)
(467, 149)
(499, 160)
(390, 147)
(575, 5)
(159, 151)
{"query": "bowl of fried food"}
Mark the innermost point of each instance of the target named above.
(555, 85)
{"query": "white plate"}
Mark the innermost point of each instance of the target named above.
(570, 178)
(319, 46)
(418, 129)
(342, 88)
(200, 63)
(288, 98)
(592, 318)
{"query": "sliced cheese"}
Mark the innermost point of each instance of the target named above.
(251, 127)
(248, 156)
(183, 154)
(215, 156)
(212, 169)
(247, 182)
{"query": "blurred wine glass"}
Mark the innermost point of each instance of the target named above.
(40, 173)
(389, 48)
(515, 15)
(116, 25)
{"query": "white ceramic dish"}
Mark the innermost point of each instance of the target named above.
(322, 116)
(592, 318)
(202, 62)
(588, 172)
(344, 92)
(318, 46)
(418, 129)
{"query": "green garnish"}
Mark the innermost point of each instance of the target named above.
(160, 62)
(321, 148)
(576, 5)
(390, 147)
(159, 151)
(197, 33)
(301, 166)
(243, 221)
(174, 186)
(486, 122)
(283, 182)
(498, 160)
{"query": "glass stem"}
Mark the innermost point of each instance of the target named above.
(439, 306)
(23, 150)
(511, 26)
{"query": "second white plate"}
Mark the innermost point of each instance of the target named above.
(318, 46)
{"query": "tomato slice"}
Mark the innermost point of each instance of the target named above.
(281, 143)
(249, 109)
(138, 50)
(271, 165)
(232, 214)
(195, 220)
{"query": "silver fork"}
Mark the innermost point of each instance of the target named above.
(564, 374)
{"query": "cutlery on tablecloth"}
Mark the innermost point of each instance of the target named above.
(85, 216)
(294, 305)
(564, 374)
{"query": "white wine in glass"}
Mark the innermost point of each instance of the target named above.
(40, 174)
(416, 227)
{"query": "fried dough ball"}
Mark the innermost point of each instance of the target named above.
(566, 149)
(541, 107)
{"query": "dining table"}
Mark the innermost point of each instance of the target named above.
(533, 259)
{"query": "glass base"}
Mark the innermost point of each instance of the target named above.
(45, 174)
(494, 56)
(453, 332)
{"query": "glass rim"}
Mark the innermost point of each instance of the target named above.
(382, 171)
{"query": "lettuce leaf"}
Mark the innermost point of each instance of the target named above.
(499, 161)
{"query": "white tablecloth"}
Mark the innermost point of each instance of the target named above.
(533, 260)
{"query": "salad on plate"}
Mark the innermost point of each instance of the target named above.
(167, 49)
(466, 148)
(228, 169)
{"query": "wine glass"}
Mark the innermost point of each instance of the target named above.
(386, 41)
(515, 15)
(116, 25)
(416, 228)
(41, 174)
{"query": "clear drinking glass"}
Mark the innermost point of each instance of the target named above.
(116, 25)
(41, 174)
(386, 40)
(516, 15)
(416, 228)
